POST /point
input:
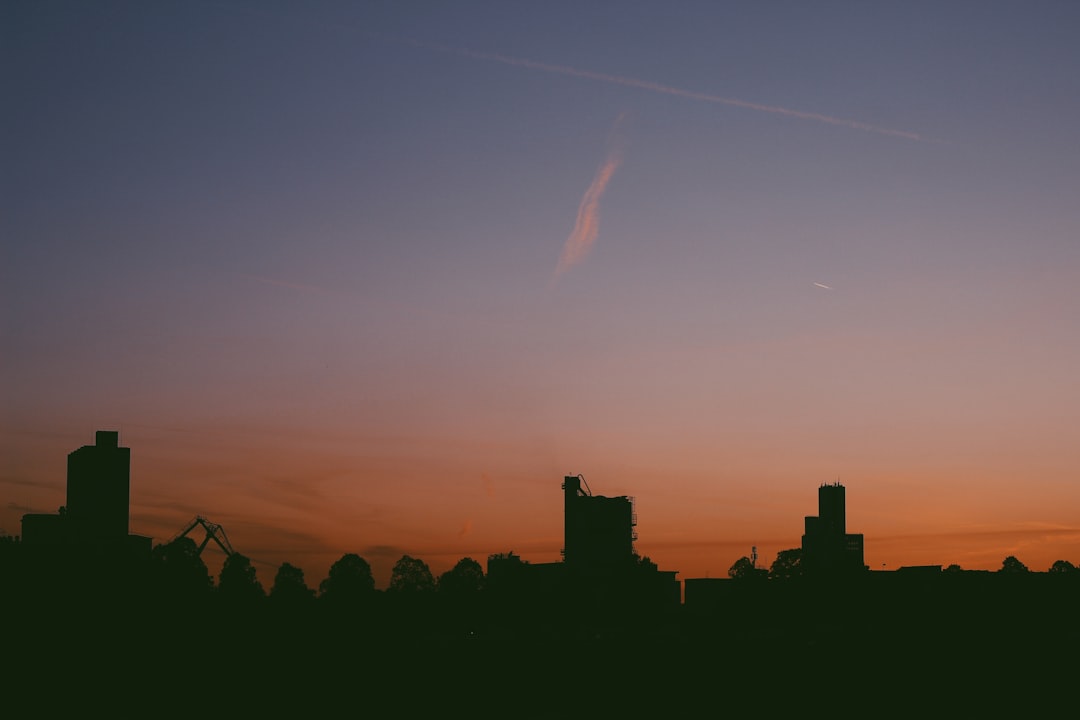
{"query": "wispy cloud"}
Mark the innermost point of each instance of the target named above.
(587, 225)
(32, 483)
(1030, 532)
(665, 89)
(387, 552)
(291, 285)
(822, 286)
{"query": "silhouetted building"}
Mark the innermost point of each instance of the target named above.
(599, 564)
(827, 547)
(43, 529)
(708, 592)
(98, 502)
(598, 552)
(598, 531)
(99, 487)
(920, 570)
(505, 569)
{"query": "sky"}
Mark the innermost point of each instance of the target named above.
(373, 277)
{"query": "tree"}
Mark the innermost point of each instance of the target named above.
(289, 586)
(179, 570)
(1012, 566)
(744, 569)
(350, 580)
(411, 576)
(1062, 566)
(464, 579)
(787, 565)
(238, 580)
(506, 572)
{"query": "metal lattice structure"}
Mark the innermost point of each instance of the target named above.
(213, 532)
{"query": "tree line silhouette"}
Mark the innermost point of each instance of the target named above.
(504, 643)
(788, 565)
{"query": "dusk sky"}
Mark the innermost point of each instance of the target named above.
(373, 277)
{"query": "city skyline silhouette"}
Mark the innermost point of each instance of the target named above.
(77, 582)
(374, 279)
(599, 533)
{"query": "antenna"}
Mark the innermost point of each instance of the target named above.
(753, 556)
(586, 484)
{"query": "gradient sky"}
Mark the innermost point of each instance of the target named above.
(372, 277)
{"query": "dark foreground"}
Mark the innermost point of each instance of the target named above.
(861, 650)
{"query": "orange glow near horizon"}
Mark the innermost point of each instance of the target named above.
(286, 507)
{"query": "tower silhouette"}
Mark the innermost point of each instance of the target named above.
(827, 547)
(99, 488)
(96, 516)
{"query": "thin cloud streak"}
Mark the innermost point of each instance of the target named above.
(290, 285)
(587, 226)
(664, 89)
(1037, 532)
(822, 286)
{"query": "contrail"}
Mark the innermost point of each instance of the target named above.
(824, 287)
(291, 285)
(587, 225)
(664, 89)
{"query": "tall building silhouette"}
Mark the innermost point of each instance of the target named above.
(99, 487)
(827, 547)
(98, 502)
